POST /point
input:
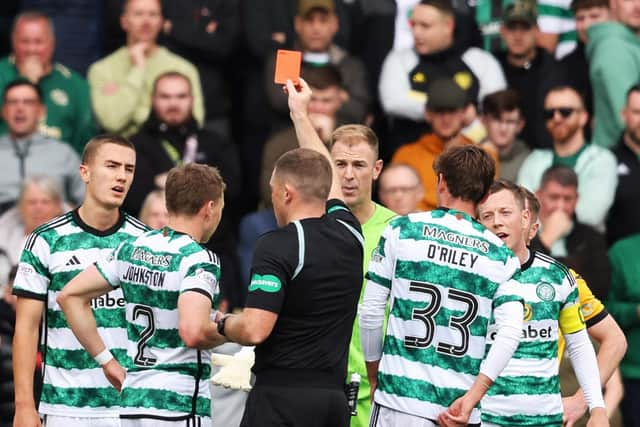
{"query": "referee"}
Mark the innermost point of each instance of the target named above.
(305, 283)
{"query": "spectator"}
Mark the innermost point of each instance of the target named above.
(121, 83)
(78, 28)
(25, 152)
(267, 26)
(503, 121)
(588, 13)
(325, 103)
(624, 215)
(316, 25)
(40, 200)
(205, 33)
(400, 188)
(170, 137)
(65, 93)
(407, 73)
(555, 22)
(154, 212)
(565, 117)
(624, 305)
(445, 113)
(7, 326)
(613, 53)
(530, 70)
(576, 245)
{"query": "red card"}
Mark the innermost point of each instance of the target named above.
(288, 66)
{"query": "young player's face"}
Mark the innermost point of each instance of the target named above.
(501, 214)
(109, 174)
(357, 168)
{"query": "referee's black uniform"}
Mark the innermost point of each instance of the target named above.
(310, 273)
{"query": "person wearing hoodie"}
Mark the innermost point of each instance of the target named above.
(613, 53)
(171, 137)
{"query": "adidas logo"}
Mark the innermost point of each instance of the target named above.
(73, 261)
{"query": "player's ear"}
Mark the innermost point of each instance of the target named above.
(84, 173)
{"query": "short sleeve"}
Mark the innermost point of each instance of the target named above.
(591, 308)
(108, 267)
(382, 261)
(571, 320)
(274, 262)
(202, 275)
(32, 279)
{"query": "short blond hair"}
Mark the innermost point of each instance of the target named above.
(353, 133)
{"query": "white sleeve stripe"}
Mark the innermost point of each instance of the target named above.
(354, 232)
(301, 249)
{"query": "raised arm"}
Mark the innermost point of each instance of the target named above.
(299, 99)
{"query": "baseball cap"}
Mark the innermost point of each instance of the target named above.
(306, 6)
(445, 94)
(521, 11)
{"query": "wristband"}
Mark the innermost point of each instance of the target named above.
(103, 357)
(221, 325)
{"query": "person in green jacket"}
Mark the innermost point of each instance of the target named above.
(354, 150)
(66, 93)
(613, 53)
(623, 303)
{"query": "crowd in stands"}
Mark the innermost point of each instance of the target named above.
(550, 89)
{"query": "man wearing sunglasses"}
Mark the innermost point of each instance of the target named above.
(565, 116)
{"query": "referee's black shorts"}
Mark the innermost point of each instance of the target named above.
(285, 404)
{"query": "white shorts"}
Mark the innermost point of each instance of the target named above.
(61, 421)
(150, 422)
(381, 416)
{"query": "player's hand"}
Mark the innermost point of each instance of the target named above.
(235, 371)
(115, 373)
(32, 68)
(26, 416)
(598, 418)
(457, 415)
(573, 408)
(299, 97)
(138, 54)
